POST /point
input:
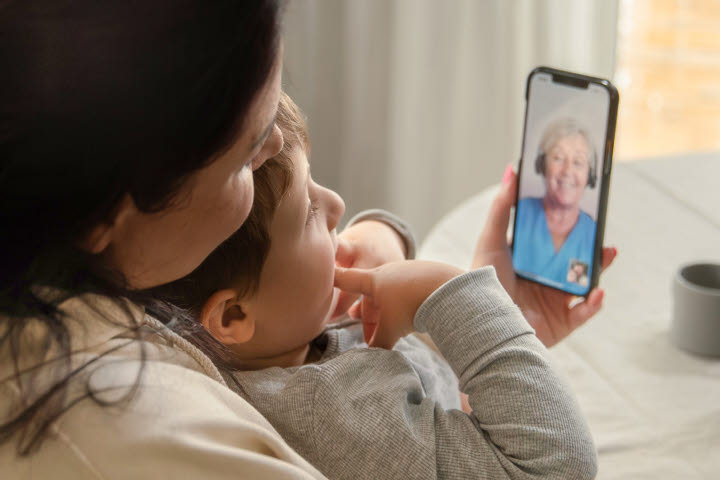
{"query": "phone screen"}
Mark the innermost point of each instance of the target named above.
(560, 183)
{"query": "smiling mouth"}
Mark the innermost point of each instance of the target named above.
(565, 185)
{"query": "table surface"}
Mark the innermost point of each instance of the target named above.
(654, 410)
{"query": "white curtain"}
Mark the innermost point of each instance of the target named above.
(416, 105)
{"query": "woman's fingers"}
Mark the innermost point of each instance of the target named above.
(492, 248)
(607, 257)
(581, 312)
(499, 215)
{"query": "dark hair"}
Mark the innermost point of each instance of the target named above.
(239, 260)
(99, 100)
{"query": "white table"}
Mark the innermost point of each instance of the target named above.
(654, 410)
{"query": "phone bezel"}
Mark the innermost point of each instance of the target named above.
(573, 79)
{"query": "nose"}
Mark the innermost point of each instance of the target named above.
(566, 165)
(272, 146)
(336, 208)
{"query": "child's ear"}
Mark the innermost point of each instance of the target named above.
(224, 317)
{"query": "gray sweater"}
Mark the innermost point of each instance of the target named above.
(438, 381)
(364, 413)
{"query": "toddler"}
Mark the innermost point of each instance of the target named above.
(265, 297)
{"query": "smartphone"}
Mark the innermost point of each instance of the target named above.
(564, 179)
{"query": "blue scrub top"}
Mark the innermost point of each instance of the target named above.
(534, 255)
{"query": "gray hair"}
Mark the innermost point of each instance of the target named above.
(563, 128)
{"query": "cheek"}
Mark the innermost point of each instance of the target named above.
(232, 207)
(320, 270)
(242, 196)
(583, 176)
(580, 177)
(552, 170)
(302, 273)
(297, 289)
(220, 218)
(550, 178)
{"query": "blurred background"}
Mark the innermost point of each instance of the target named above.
(416, 105)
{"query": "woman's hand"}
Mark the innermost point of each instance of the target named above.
(547, 310)
(392, 294)
(367, 244)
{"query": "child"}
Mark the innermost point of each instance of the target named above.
(266, 296)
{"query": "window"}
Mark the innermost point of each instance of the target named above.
(668, 75)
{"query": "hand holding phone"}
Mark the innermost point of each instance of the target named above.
(564, 179)
(553, 313)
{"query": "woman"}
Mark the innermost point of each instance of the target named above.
(553, 233)
(128, 136)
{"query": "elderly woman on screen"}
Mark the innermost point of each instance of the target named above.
(553, 233)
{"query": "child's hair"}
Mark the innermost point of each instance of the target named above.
(238, 261)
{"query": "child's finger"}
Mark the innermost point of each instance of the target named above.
(369, 331)
(354, 311)
(345, 254)
(354, 280)
(370, 317)
(383, 337)
(344, 302)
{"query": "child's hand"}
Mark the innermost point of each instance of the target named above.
(366, 244)
(392, 294)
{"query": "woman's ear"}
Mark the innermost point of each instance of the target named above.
(101, 235)
(224, 317)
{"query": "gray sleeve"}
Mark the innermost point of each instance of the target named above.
(438, 380)
(402, 228)
(528, 418)
(364, 414)
(372, 419)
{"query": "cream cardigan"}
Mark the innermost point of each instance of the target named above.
(183, 421)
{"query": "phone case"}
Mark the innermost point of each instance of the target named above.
(602, 178)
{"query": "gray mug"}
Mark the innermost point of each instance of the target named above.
(696, 308)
